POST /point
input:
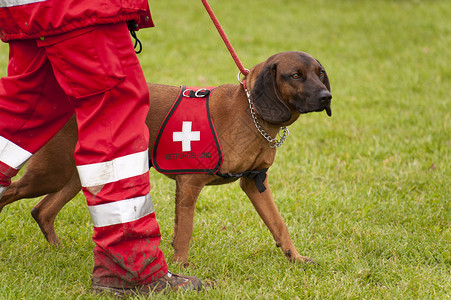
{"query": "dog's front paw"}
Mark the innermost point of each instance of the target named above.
(296, 257)
(182, 262)
(303, 259)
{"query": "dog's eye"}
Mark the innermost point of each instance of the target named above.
(321, 73)
(296, 76)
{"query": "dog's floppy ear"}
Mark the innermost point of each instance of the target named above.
(326, 78)
(265, 95)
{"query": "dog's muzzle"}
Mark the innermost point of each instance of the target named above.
(320, 102)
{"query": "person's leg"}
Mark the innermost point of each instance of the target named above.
(112, 152)
(32, 108)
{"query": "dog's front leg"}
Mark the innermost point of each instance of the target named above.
(266, 208)
(187, 191)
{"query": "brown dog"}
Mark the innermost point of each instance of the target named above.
(283, 87)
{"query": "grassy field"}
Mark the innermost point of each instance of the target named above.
(366, 193)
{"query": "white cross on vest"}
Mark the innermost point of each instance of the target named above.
(186, 136)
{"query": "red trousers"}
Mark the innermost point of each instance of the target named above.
(95, 73)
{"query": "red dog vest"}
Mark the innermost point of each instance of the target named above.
(186, 141)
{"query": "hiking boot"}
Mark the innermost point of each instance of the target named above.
(169, 282)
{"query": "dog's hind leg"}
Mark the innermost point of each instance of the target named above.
(46, 210)
(36, 181)
(266, 208)
(187, 192)
(48, 170)
(11, 194)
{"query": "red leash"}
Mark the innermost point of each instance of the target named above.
(240, 66)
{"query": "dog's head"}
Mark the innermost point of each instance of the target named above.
(289, 84)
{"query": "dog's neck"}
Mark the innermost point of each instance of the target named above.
(273, 133)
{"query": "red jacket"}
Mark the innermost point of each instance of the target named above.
(39, 18)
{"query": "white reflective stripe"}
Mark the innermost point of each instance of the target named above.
(2, 189)
(114, 170)
(121, 212)
(12, 155)
(11, 3)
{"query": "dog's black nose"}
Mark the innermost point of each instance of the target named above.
(324, 96)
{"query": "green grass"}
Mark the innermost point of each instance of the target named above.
(366, 192)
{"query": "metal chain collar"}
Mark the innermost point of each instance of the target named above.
(273, 142)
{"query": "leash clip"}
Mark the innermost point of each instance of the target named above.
(239, 76)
